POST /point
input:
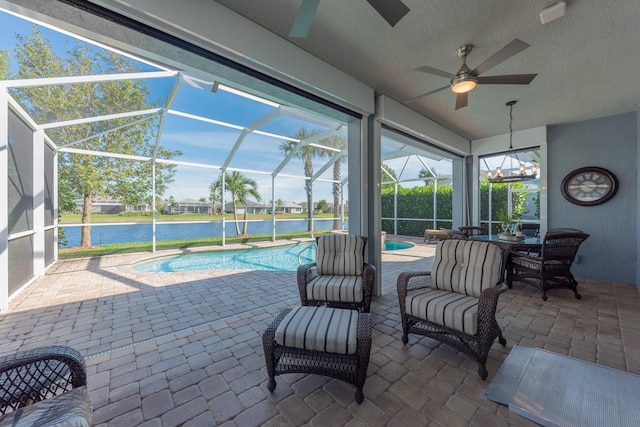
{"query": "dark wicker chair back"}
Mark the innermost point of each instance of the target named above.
(473, 230)
(551, 268)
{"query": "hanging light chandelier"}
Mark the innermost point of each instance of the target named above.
(522, 175)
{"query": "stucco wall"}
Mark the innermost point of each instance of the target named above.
(611, 252)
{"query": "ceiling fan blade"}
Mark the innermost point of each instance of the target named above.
(511, 79)
(426, 94)
(461, 100)
(304, 18)
(435, 72)
(391, 10)
(516, 46)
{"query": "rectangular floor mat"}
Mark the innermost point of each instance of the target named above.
(555, 390)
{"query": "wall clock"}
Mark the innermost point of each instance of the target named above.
(589, 186)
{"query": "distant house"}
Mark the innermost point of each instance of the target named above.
(288, 207)
(195, 206)
(250, 206)
(110, 205)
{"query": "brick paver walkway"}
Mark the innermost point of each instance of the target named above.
(171, 349)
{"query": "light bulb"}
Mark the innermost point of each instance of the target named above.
(463, 86)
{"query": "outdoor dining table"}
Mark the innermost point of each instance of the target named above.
(526, 244)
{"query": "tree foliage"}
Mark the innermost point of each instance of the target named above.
(417, 203)
(4, 64)
(89, 175)
(306, 153)
(500, 202)
(240, 188)
(322, 206)
(386, 175)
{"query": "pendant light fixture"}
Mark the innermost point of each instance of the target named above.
(522, 175)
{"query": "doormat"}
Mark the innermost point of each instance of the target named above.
(555, 390)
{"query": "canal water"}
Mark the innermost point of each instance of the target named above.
(127, 233)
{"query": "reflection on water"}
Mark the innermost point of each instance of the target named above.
(109, 234)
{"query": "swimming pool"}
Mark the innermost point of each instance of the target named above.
(280, 258)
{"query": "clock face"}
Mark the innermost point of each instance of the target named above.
(589, 186)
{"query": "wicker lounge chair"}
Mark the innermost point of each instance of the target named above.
(339, 278)
(550, 268)
(44, 387)
(455, 303)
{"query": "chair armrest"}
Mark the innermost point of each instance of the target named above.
(411, 280)
(368, 280)
(305, 273)
(34, 375)
(487, 306)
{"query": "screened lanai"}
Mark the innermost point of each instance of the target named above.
(187, 131)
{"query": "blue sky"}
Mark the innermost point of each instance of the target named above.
(210, 144)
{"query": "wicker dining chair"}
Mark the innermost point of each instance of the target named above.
(473, 230)
(339, 278)
(550, 267)
(455, 302)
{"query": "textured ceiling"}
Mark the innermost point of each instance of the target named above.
(586, 61)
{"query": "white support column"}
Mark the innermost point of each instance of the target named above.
(273, 208)
(222, 210)
(311, 212)
(38, 204)
(395, 208)
(4, 201)
(56, 207)
(356, 172)
(458, 203)
(373, 203)
(153, 205)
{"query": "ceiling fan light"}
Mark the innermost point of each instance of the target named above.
(463, 86)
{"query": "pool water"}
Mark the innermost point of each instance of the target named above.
(280, 258)
(390, 245)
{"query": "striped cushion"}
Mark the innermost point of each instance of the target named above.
(340, 255)
(450, 309)
(336, 288)
(466, 266)
(330, 330)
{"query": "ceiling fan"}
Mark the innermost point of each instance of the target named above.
(391, 10)
(465, 79)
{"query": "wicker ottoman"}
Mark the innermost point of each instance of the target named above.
(319, 340)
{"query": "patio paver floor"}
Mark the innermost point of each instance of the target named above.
(171, 349)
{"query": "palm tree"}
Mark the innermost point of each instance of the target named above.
(306, 154)
(240, 188)
(425, 174)
(340, 143)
